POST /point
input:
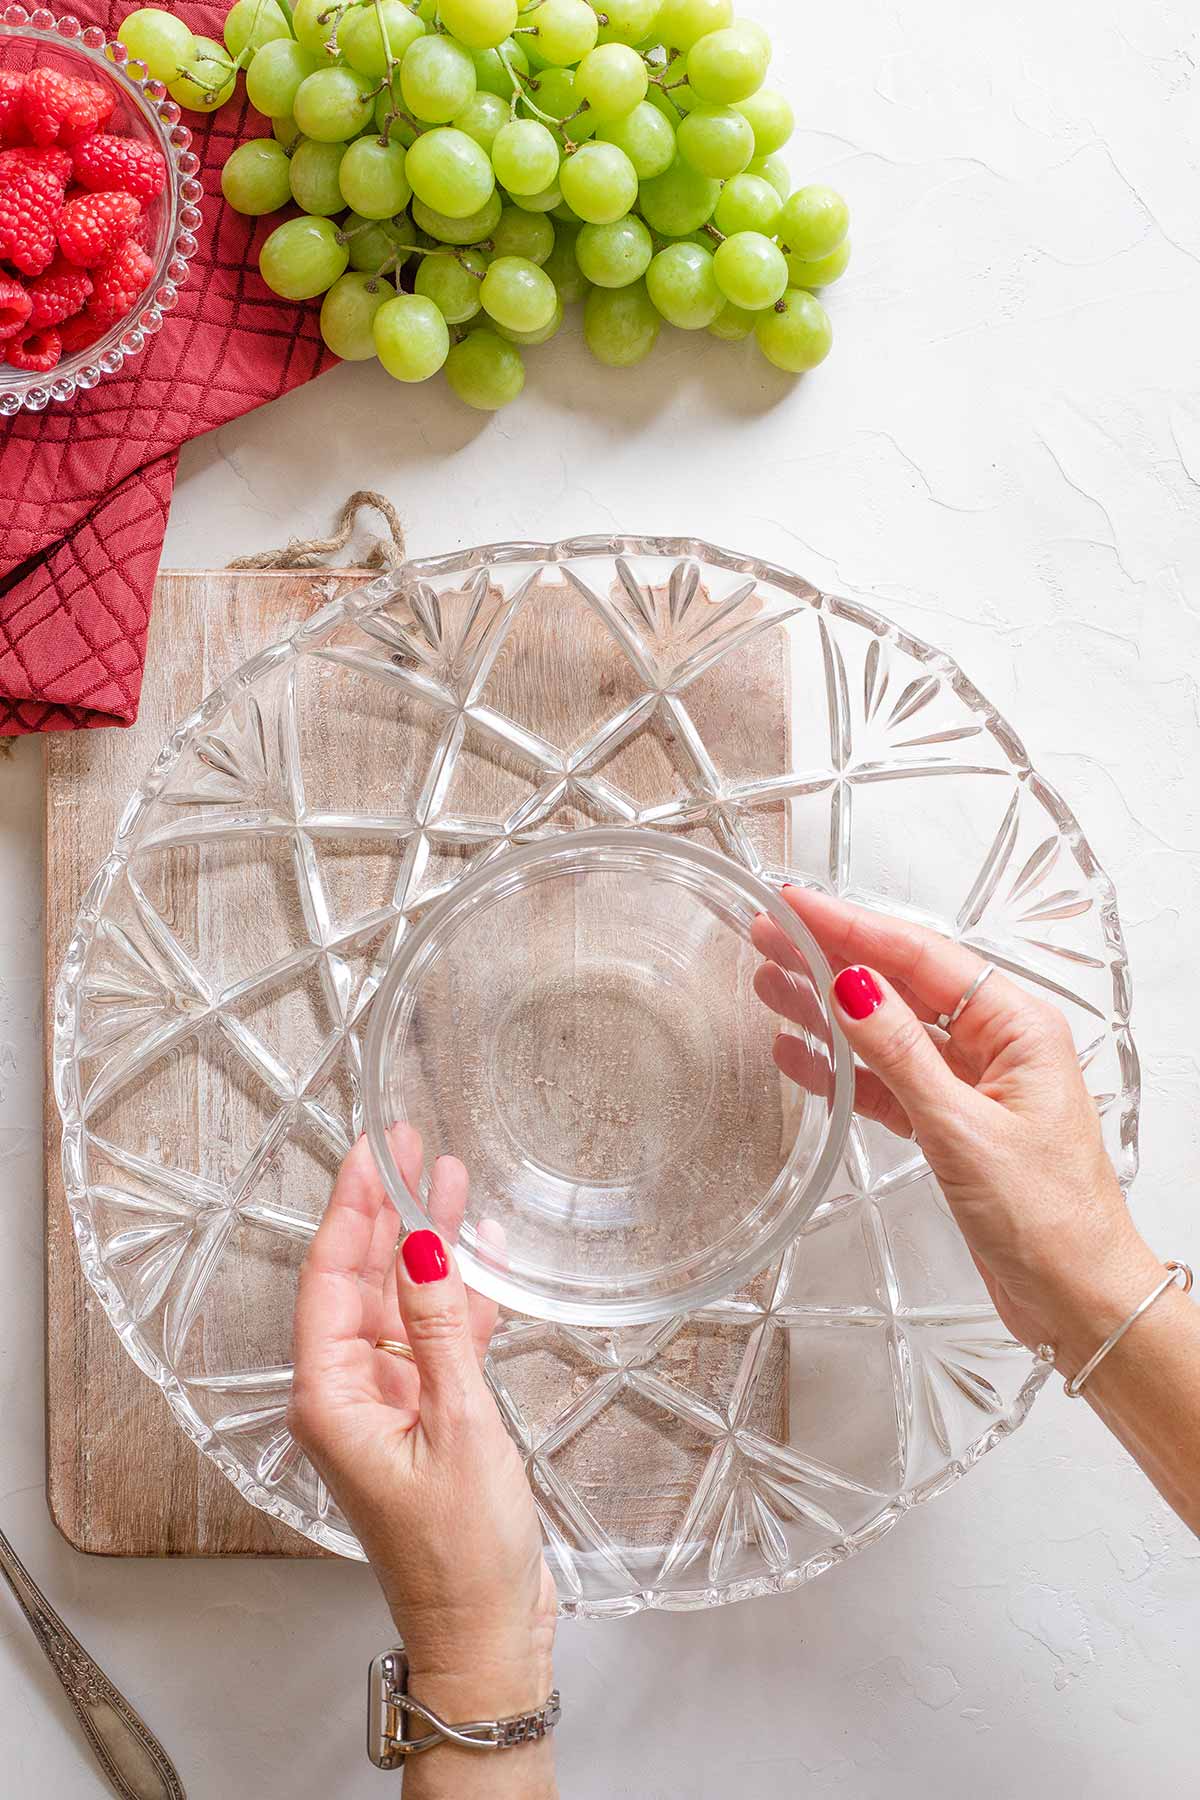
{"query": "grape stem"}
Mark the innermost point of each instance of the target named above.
(520, 96)
(718, 237)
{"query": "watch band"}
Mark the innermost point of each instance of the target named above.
(390, 1708)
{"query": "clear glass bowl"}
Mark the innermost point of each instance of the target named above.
(297, 834)
(144, 111)
(577, 1022)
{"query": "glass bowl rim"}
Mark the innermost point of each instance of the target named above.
(69, 37)
(633, 848)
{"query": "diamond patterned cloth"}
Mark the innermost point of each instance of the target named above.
(85, 487)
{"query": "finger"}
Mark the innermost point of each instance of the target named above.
(433, 1307)
(482, 1312)
(791, 996)
(872, 1100)
(889, 1038)
(448, 1190)
(329, 1302)
(933, 969)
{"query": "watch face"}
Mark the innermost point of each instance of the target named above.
(386, 1681)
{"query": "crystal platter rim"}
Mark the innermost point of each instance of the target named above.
(350, 602)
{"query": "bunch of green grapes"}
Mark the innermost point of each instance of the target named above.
(467, 169)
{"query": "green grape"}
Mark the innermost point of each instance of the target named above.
(599, 183)
(348, 315)
(274, 77)
(474, 229)
(315, 23)
(398, 131)
(549, 200)
(159, 40)
(751, 270)
(450, 172)
(771, 119)
(426, 10)
(485, 372)
(491, 76)
(728, 65)
(518, 294)
(674, 96)
(681, 283)
(528, 339)
(452, 283)
(613, 256)
(373, 242)
(482, 118)
(774, 170)
(254, 179)
(820, 272)
(747, 203)
(681, 23)
(313, 172)
(333, 105)
(373, 179)
(437, 78)
(525, 156)
(680, 201)
(717, 141)
(558, 95)
(412, 340)
(796, 334)
(254, 22)
(628, 21)
(613, 79)
(621, 325)
(566, 215)
(286, 132)
(732, 325)
(525, 234)
(562, 266)
(647, 137)
(210, 77)
(479, 24)
(360, 39)
(814, 222)
(302, 258)
(566, 30)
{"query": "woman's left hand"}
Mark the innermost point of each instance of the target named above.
(416, 1453)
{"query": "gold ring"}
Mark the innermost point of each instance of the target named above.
(395, 1348)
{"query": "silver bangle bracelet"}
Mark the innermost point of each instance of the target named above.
(1074, 1388)
(390, 1706)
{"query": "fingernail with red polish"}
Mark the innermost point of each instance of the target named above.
(424, 1257)
(858, 993)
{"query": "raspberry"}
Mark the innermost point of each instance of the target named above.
(51, 158)
(15, 307)
(92, 226)
(80, 333)
(119, 283)
(120, 164)
(12, 86)
(35, 350)
(59, 109)
(58, 294)
(30, 199)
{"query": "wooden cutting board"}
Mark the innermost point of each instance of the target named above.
(122, 1478)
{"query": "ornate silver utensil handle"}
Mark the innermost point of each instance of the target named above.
(132, 1758)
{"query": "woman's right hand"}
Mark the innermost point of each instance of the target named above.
(1004, 1118)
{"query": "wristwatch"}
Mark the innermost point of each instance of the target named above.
(392, 1714)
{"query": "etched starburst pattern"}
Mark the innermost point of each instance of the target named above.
(212, 1008)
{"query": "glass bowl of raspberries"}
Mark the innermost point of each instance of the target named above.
(99, 205)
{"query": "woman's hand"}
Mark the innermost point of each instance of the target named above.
(1003, 1118)
(417, 1455)
(1013, 1136)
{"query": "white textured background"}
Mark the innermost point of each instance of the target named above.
(1003, 453)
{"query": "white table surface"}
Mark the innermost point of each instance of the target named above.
(1004, 454)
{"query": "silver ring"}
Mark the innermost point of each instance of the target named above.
(940, 1030)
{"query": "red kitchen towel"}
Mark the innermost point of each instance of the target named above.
(85, 487)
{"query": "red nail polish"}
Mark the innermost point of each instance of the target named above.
(858, 993)
(424, 1257)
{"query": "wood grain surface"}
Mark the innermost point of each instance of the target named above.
(122, 1478)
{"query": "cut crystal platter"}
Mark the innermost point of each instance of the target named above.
(215, 1001)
